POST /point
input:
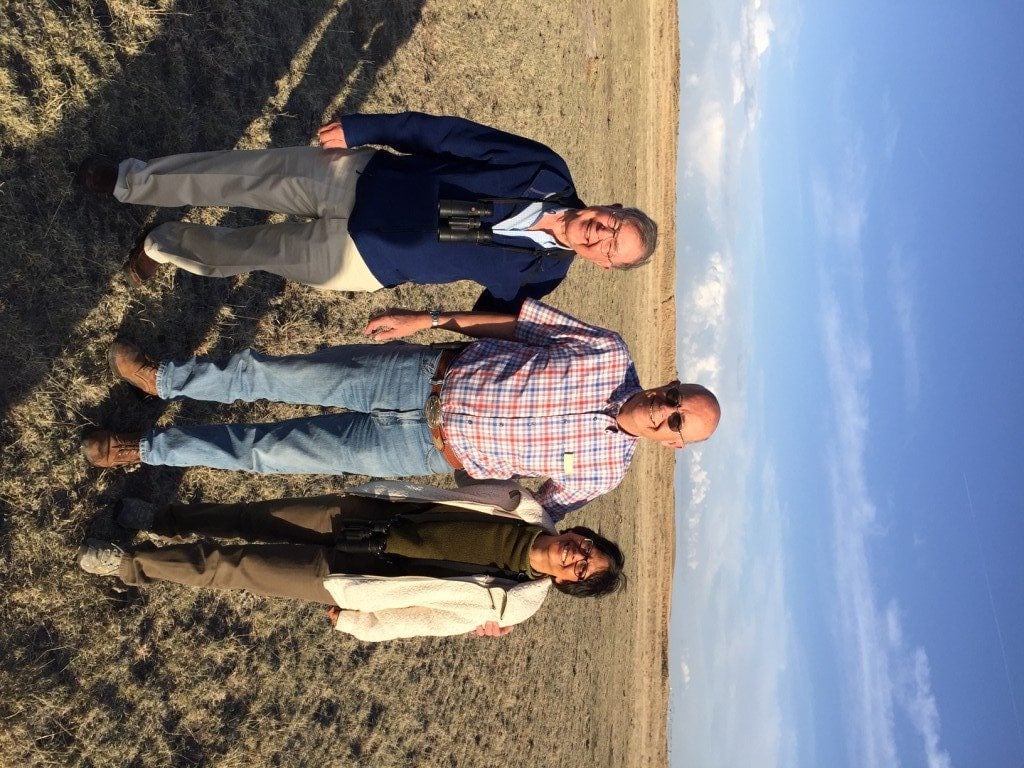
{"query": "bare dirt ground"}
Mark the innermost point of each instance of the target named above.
(91, 676)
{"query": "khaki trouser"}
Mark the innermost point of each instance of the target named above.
(295, 569)
(302, 181)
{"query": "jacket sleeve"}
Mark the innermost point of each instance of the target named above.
(488, 302)
(416, 133)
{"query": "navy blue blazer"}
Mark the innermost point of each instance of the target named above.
(394, 221)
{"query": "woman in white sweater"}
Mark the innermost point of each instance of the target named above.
(391, 559)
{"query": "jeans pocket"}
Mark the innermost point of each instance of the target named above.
(437, 463)
(429, 360)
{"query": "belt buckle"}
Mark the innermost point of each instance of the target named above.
(432, 411)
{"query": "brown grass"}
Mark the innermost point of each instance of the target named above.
(90, 676)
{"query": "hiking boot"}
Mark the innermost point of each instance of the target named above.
(102, 558)
(139, 267)
(104, 448)
(136, 514)
(130, 363)
(97, 174)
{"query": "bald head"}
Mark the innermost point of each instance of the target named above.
(703, 405)
(673, 414)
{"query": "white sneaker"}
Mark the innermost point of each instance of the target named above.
(102, 558)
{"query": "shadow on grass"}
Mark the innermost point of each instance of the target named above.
(202, 75)
(157, 78)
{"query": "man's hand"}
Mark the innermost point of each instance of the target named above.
(332, 136)
(334, 613)
(397, 324)
(491, 629)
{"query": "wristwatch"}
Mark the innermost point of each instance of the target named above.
(435, 317)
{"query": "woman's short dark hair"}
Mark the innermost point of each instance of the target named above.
(602, 582)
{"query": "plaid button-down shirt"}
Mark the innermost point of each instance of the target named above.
(544, 406)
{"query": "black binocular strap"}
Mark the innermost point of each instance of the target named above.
(566, 253)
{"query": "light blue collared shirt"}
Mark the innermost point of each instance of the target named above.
(519, 225)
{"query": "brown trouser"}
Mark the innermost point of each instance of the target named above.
(294, 566)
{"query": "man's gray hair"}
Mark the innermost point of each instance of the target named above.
(645, 228)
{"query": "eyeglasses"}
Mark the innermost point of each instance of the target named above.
(676, 420)
(610, 244)
(579, 568)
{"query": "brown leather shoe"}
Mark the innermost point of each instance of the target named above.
(139, 267)
(130, 363)
(97, 174)
(104, 448)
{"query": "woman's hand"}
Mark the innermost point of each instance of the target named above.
(491, 629)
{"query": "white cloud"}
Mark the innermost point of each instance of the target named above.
(737, 633)
(862, 640)
(723, 107)
(840, 200)
(729, 606)
(893, 624)
(705, 146)
(705, 317)
(924, 712)
(699, 481)
(709, 296)
(706, 368)
(761, 29)
(901, 279)
(875, 665)
(756, 30)
(913, 690)
(739, 82)
(700, 485)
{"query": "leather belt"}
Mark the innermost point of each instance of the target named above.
(432, 410)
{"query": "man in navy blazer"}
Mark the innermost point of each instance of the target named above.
(374, 213)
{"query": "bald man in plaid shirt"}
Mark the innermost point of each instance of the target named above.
(540, 394)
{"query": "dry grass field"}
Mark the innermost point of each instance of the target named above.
(92, 676)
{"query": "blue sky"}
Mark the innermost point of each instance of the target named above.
(849, 584)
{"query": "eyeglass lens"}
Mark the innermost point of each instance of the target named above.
(580, 569)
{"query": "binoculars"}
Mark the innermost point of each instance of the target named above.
(363, 537)
(461, 221)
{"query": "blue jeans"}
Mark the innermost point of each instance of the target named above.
(384, 433)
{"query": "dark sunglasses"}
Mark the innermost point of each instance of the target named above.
(675, 420)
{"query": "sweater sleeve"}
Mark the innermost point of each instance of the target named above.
(415, 621)
(384, 608)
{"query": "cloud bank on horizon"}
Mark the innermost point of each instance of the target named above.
(737, 651)
(731, 633)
